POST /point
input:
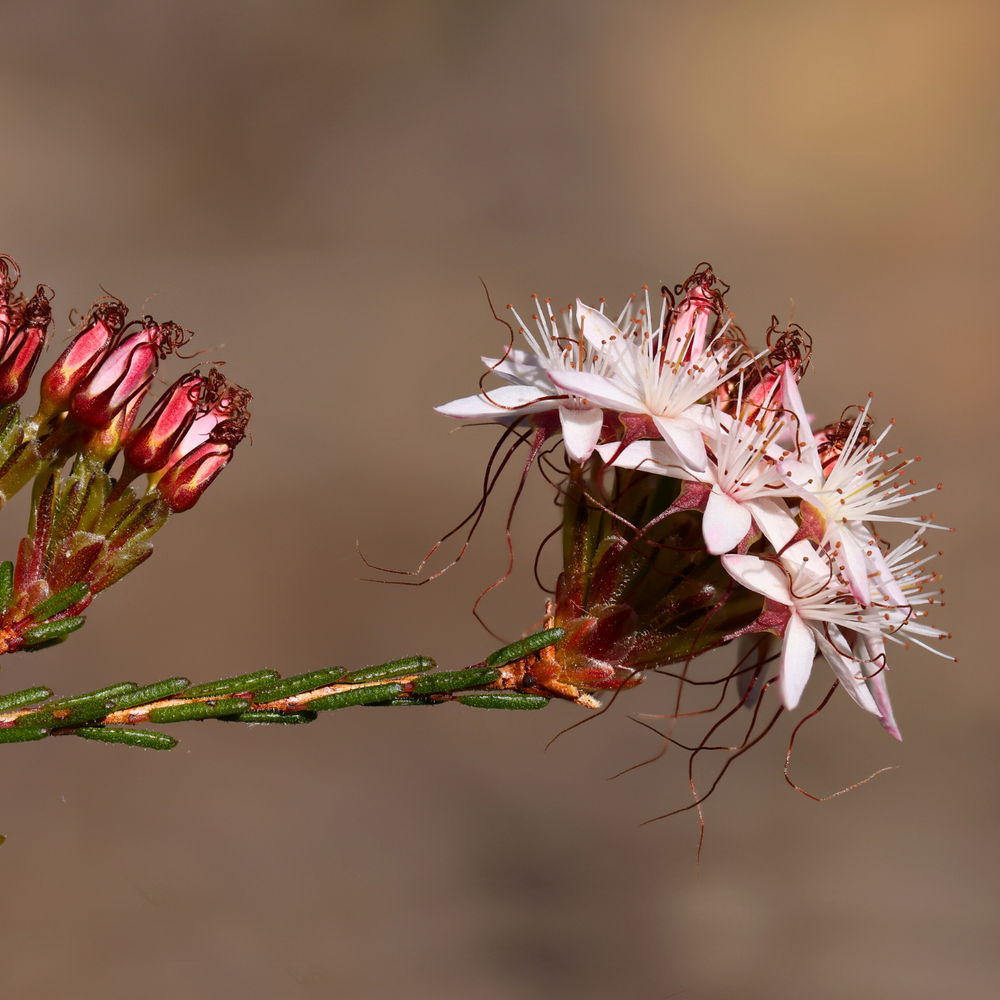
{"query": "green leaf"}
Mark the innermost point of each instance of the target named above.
(79, 708)
(6, 585)
(394, 668)
(511, 700)
(130, 737)
(297, 685)
(53, 630)
(233, 685)
(267, 717)
(108, 693)
(360, 696)
(14, 734)
(152, 692)
(18, 699)
(198, 710)
(58, 603)
(457, 680)
(410, 700)
(529, 644)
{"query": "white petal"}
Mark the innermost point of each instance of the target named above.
(521, 368)
(685, 437)
(855, 565)
(581, 429)
(847, 670)
(798, 650)
(875, 674)
(597, 389)
(503, 402)
(760, 576)
(596, 327)
(802, 434)
(652, 456)
(724, 524)
(774, 520)
(806, 477)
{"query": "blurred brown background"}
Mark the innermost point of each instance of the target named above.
(319, 188)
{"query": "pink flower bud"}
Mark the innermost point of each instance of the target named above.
(124, 373)
(101, 327)
(205, 449)
(185, 481)
(23, 346)
(150, 446)
(224, 421)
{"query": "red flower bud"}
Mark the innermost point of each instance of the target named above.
(206, 448)
(150, 446)
(124, 373)
(185, 481)
(101, 327)
(23, 346)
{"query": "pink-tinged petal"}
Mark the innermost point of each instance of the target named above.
(521, 368)
(774, 520)
(686, 439)
(855, 566)
(724, 524)
(597, 389)
(848, 671)
(799, 476)
(802, 434)
(581, 429)
(759, 575)
(596, 327)
(650, 456)
(875, 679)
(503, 402)
(798, 650)
(886, 581)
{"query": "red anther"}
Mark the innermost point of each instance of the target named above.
(103, 324)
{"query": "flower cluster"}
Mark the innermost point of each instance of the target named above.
(87, 529)
(700, 502)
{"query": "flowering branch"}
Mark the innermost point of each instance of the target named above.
(504, 680)
(89, 525)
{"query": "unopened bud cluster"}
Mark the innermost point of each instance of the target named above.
(89, 527)
(701, 505)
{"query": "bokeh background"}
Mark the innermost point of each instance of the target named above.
(316, 189)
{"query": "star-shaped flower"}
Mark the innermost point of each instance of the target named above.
(531, 388)
(856, 487)
(663, 372)
(817, 610)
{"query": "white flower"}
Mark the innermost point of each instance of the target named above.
(532, 391)
(740, 478)
(661, 374)
(856, 489)
(817, 611)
